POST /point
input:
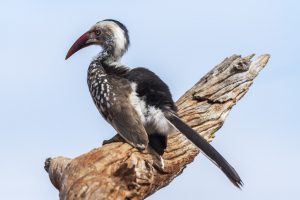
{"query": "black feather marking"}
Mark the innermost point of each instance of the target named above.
(158, 142)
(207, 149)
(152, 89)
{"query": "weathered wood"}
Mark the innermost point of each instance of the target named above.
(118, 171)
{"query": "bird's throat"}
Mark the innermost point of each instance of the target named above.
(109, 56)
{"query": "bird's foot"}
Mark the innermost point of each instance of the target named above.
(116, 138)
(159, 164)
(158, 161)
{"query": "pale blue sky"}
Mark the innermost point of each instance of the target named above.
(46, 109)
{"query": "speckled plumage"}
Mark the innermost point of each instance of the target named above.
(143, 96)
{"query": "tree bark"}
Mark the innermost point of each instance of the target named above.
(119, 171)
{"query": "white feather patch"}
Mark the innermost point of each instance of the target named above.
(152, 118)
(119, 36)
(137, 103)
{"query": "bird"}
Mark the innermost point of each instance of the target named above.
(135, 101)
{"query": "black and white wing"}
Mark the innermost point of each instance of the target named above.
(112, 98)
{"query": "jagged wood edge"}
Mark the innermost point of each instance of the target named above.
(118, 171)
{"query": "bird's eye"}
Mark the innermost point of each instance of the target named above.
(97, 32)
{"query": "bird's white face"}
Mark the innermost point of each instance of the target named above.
(107, 34)
(108, 31)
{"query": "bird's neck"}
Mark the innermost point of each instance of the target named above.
(107, 57)
(112, 52)
(109, 64)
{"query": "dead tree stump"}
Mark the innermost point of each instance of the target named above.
(118, 171)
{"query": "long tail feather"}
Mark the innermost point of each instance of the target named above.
(207, 149)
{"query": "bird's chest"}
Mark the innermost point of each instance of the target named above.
(102, 92)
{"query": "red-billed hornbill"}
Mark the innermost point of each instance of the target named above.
(136, 102)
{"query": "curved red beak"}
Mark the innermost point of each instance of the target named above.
(79, 44)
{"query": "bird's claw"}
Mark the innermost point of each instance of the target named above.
(158, 161)
(116, 138)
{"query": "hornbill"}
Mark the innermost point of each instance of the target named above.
(136, 102)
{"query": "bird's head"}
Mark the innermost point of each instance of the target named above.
(110, 34)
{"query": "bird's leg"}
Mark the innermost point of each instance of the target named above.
(158, 161)
(116, 138)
